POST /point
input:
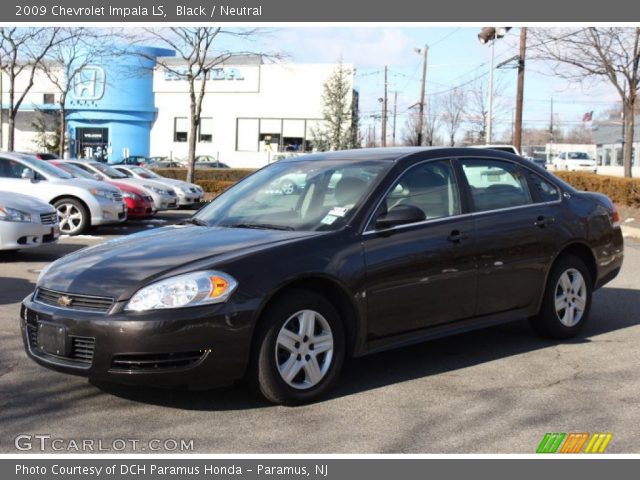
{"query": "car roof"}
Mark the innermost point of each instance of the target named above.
(393, 154)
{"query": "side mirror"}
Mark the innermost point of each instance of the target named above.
(97, 176)
(400, 215)
(27, 173)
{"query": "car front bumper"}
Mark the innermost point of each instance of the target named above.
(188, 199)
(108, 212)
(18, 235)
(165, 202)
(198, 347)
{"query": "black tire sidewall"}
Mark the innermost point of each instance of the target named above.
(265, 373)
(547, 322)
(84, 224)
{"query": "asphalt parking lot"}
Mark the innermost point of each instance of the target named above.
(493, 391)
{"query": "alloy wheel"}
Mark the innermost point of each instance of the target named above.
(570, 297)
(304, 349)
(70, 218)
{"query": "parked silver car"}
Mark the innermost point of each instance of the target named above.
(26, 222)
(80, 203)
(164, 197)
(188, 193)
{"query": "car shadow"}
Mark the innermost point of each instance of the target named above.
(13, 290)
(47, 253)
(613, 309)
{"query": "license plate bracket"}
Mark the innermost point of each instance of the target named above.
(52, 339)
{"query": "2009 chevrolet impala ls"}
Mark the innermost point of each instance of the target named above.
(315, 259)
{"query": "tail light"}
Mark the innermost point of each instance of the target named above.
(615, 216)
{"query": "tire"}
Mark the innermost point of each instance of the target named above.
(73, 215)
(568, 317)
(311, 373)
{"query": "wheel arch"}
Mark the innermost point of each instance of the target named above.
(77, 199)
(330, 289)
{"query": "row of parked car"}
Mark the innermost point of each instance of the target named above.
(202, 161)
(42, 199)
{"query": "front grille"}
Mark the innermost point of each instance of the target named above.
(82, 348)
(156, 361)
(49, 218)
(194, 190)
(78, 302)
(117, 197)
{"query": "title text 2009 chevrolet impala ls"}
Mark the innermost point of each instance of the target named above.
(374, 249)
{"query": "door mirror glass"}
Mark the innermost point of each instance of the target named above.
(97, 176)
(27, 173)
(400, 215)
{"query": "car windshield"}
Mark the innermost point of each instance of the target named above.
(46, 168)
(107, 170)
(311, 195)
(76, 172)
(144, 173)
(579, 156)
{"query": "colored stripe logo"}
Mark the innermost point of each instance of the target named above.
(574, 442)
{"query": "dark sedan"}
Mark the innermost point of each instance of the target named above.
(381, 248)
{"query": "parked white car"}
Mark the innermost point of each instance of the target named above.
(575, 161)
(80, 203)
(164, 197)
(188, 193)
(26, 222)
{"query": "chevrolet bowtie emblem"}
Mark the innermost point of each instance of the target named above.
(64, 301)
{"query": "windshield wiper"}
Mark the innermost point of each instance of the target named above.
(261, 226)
(195, 221)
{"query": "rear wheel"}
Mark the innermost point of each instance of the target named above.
(74, 218)
(567, 300)
(300, 349)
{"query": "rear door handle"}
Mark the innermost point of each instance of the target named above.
(543, 221)
(456, 236)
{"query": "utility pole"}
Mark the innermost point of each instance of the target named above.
(425, 53)
(549, 153)
(383, 134)
(395, 114)
(520, 94)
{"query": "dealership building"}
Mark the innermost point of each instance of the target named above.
(252, 111)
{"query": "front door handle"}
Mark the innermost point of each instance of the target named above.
(542, 221)
(456, 236)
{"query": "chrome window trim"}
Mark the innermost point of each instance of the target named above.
(368, 231)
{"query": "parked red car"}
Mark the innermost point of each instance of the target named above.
(139, 203)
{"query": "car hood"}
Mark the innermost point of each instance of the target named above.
(126, 187)
(119, 267)
(175, 182)
(25, 203)
(138, 182)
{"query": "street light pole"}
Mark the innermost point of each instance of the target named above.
(490, 113)
(384, 110)
(517, 141)
(425, 53)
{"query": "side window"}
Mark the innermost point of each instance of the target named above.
(546, 191)
(430, 186)
(495, 184)
(10, 169)
(83, 167)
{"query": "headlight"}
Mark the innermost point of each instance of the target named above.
(98, 192)
(188, 290)
(13, 215)
(132, 196)
(159, 191)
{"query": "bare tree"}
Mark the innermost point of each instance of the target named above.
(453, 109)
(198, 54)
(21, 52)
(598, 53)
(430, 126)
(478, 109)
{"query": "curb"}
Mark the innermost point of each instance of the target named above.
(633, 232)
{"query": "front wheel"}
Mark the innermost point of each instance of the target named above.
(74, 217)
(567, 300)
(300, 349)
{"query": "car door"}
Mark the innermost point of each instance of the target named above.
(420, 274)
(514, 234)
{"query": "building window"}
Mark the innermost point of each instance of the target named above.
(180, 129)
(205, 132)
(49, 99)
